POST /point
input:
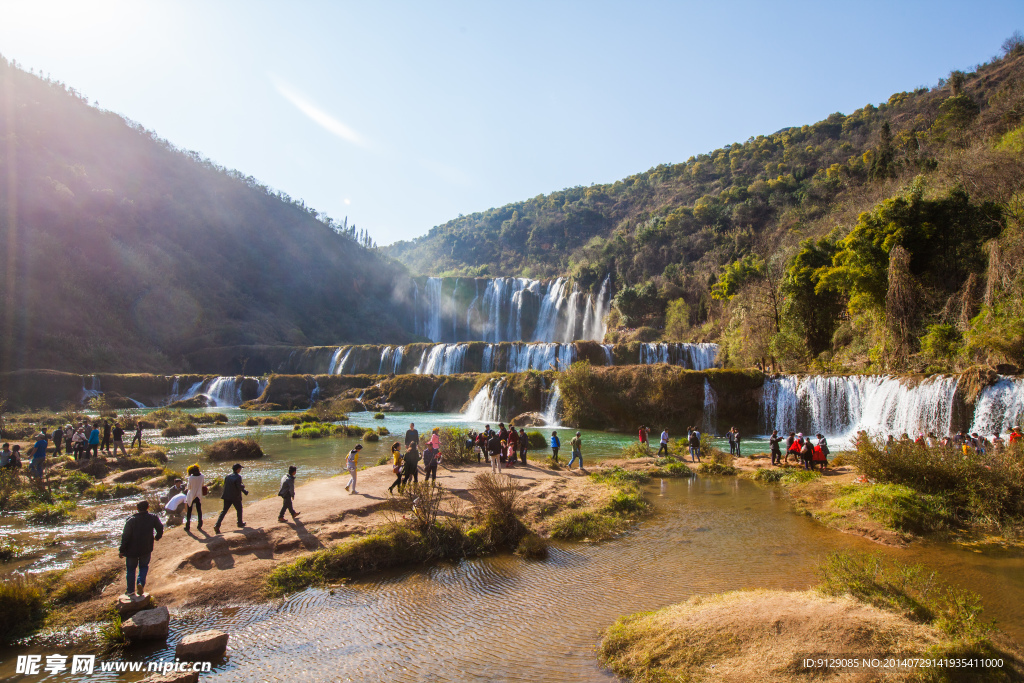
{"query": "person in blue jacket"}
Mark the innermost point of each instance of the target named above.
(555, 445)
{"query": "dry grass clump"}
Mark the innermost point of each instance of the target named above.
(233, 449)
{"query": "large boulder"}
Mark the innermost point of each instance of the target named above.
(148, 624)
(204, 645)
(528, 420)
(127, 605)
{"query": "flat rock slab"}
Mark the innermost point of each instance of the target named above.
(149, 624)
(182, 677)
(202, 645)
(133, 475)
(127, 605)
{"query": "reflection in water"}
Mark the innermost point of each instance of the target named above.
(505, 618)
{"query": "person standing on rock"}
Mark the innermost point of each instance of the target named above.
(555, 445)
(412, 436)
(94, 440)
(105, 445)
(118, 434)
(352, 465)
(232, 496)
(140, 532)
(577, 450)
(195, 489)
(138, 435)
(287, 492)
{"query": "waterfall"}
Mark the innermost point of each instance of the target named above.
(551, 409)
(842, 406)
(314, 395)
(391, 360)
(224, 392)
(339, 359)
(692, 356)
(486, 405)
(508, 309)
(487, 365)
(94, 389)
(192, 391)
(546, 356)
(710, 415)
(999, 407)
(609, 360)
(443, 359)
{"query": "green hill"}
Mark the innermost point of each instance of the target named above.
(124, 253)
(779, 247)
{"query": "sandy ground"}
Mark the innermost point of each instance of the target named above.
(200, 567)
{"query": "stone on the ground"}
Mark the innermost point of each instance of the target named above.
(180, 677)
(149, 624)
(528, 420)
(133, 475)
(202, 645)
(127, 605)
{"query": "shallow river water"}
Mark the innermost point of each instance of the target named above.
(505, 618)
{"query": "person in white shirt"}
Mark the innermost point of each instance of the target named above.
(664, 442)
(194, 492)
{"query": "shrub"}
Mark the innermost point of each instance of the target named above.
(532, 547)
(840, 459)
(77, 482)
(716, 468)
(179, 428)
(382, 431)
(123, 490)
(111, 632)
(216, 484)
(312, 431)
(616, 476)
(233, 449)
(897, 507)
(576, 525)
(11, 490)
(23, 604)
(501, 503)
(673, 469)
(51, 513)
(771, 476)
(453, 445)
(636, 450)
(379, 416)
(251, 422)
(800, 476)
(99, 491)
(537, 441)
(370, 436)
(989, 488)
(9, 550)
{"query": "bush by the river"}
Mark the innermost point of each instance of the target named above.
(180, 428)
(984, 487)
(23, 604)
(233, 449)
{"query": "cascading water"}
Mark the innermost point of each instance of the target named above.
(486, 405)
(710, 415)
(443, 359)
(551, 409)
(842, 406)
(338, 360)
(391, 360)
(224, 392)
(192, 391)
(523, 357)
(94, 389)
(508, 309)
(1000, 407)
(692, 356)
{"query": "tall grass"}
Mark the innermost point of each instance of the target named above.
(986, 488)
(23, 605)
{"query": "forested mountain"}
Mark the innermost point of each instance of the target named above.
(887, 238)
(123, 253)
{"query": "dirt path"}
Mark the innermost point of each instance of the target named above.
(200, 567)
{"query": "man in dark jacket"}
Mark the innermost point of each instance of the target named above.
(137, 545)
(232, 496)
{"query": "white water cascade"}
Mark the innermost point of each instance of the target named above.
(486, 405)
(94, 389)
(338, 360)
(508, 309)
(692, 356)
(224, 392)
(842, 406)
(551, 409)
(710, 415)
(391, 360)
(443, 359)
(999, 407)
(548, 356)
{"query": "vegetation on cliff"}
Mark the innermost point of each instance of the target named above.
(108, 227)
(889, 238)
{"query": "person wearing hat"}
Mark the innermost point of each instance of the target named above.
(351, 463)
(577, 451)
(232, 496)
(35, 465)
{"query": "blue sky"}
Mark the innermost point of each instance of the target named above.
(404, 115)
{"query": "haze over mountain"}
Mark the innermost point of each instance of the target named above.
(124, 253)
